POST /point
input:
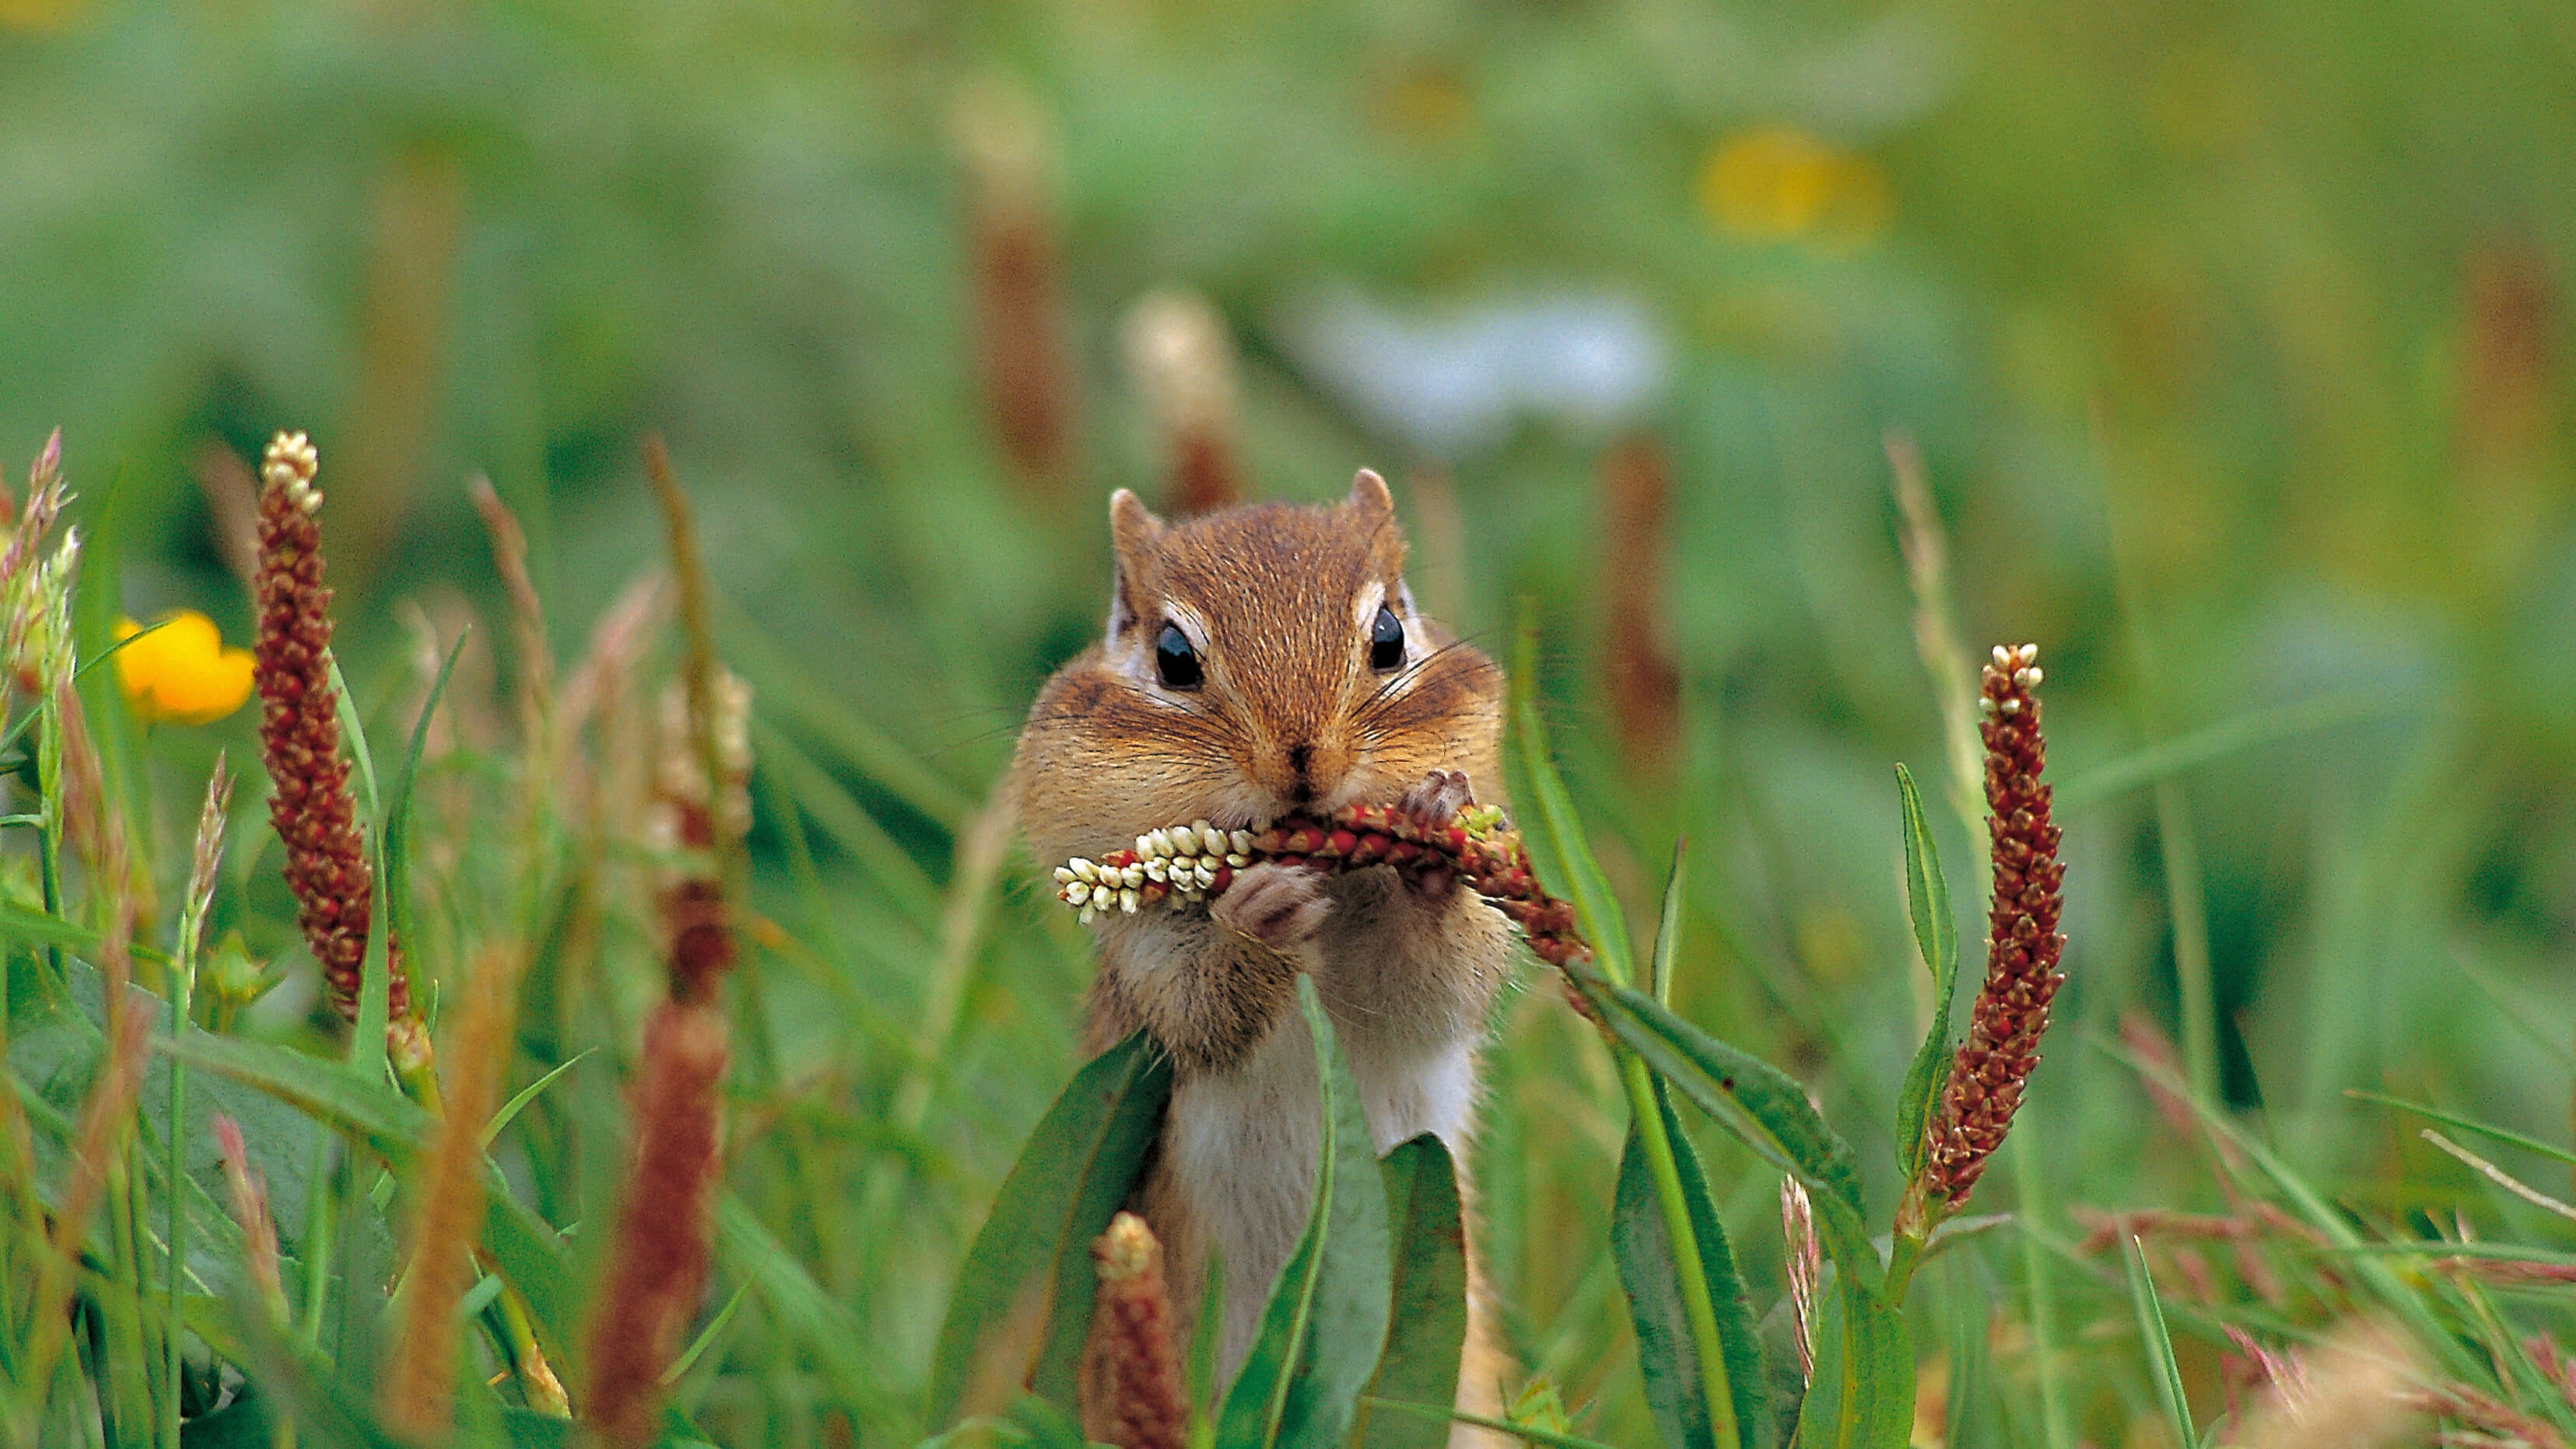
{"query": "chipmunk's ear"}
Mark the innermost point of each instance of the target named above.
(1371, 510)
(1370, 504)
(1135, 535)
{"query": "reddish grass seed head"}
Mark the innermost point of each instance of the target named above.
(299, 732)
(658, 1267)
(2022, 943)
(1139, 1385)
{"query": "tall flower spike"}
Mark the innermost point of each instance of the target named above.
(657, 1269)
(299, 733)
(2022, 944)
(1135, 1395)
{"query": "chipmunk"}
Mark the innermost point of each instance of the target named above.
(1259, 661)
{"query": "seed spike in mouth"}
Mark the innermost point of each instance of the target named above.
(1185, 865)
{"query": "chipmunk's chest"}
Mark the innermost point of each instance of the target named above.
(1243, 1144)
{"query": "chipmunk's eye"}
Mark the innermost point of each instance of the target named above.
(1175, 660)
(1386, 640)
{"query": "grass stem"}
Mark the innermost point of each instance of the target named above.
(2188, 909)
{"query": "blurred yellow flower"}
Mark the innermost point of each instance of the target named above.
(180, 671)
(1778, 183)
(40, 16)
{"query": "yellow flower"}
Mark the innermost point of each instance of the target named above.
(1778, 183)
(181, 671)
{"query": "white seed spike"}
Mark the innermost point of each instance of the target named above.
(1129, 900)
(2011, 706)
(1088, 915)
(1211, 839)
(1064, 875)
(2003, 657)
(2035, 677)
(1238, 860)
(1158, 870)
(1241, 840)
(1207, 876)
(1153, 844)
(1085, 869)
(1076, 893)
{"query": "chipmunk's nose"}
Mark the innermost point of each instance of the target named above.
(1309, 773)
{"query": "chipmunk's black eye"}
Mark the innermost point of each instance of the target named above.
(1386, 640)
(1175, 660)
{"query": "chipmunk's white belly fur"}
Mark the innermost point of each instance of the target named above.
(1244, 1145)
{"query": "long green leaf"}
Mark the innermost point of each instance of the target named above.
(1936, 936)
(1427, 1327)
(1325, 1323)
(1022, 1302)
(1666, 1351)
(390, 1123)
(1871, 1399)
(1748, 1096)
(2158, 1343)
(1862, 1396)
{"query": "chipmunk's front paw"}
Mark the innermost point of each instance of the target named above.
(1438, 797)
(1433, 802)
(1280, 906)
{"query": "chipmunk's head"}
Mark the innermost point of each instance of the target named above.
(1272, 656)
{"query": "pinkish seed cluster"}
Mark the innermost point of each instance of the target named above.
(2022, 944)
(1182, 865)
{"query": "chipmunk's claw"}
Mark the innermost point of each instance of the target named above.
(1280, 906)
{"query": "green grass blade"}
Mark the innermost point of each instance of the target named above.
(510, 1110)
(2382, 1281)
(802, 1311)
(396, 911)
(1668, 933)
(1427, 1322)
(1667, 1351)
(1023, 1299)
(1936, 936)
(1326, 1321)
(2467, 1124)
(375, 982)
(2218, 741)
(1551, 829)
(2161, 1367)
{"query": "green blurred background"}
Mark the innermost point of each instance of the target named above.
(2234, 338)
